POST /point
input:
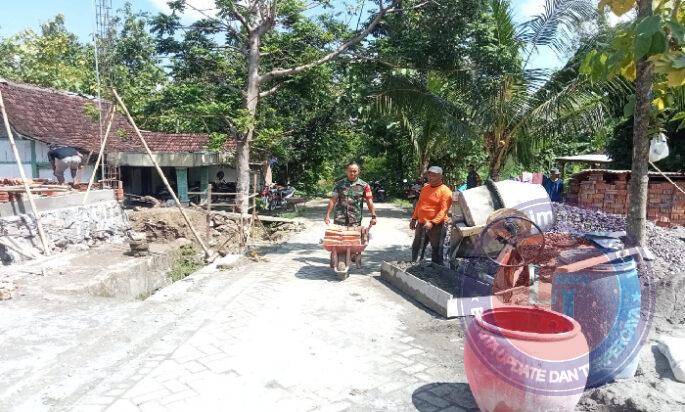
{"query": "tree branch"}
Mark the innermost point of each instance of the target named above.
(226, 24)
(278, 73)
(240, 50)
(238, 16)
(267, 93)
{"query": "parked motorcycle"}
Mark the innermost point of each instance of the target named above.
(413, 191)
(276, 197)
(378, 191)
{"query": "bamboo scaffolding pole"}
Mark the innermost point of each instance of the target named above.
(10, 136)
(209, 212)
(13, 189)
(161, 175)
(102, 150)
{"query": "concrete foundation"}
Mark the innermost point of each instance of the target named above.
(431, 296)
(66, 222)
(121, 276)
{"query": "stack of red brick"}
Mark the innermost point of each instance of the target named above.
(608, 191)
(17, 187)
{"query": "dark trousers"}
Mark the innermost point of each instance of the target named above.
(436, 237)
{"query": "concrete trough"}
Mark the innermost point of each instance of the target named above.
(438, 300)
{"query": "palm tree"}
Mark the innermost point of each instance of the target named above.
(423, 108)
(503, 108)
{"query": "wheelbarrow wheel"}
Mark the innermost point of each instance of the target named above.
(358, 260)
(341, 267)
(332, 262)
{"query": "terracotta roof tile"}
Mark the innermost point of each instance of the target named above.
(62, 118)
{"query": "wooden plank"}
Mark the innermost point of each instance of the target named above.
(467, 231)
(32, 189)
(598, 260)
(271, 219)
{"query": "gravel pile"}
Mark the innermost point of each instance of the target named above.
(667, 244)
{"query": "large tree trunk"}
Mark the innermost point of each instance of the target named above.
(251, 100)
(495, 153)
(424, 162)
(637, 212)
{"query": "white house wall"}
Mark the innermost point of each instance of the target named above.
(23, 146)
(8, 166)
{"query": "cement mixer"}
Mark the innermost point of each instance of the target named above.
(472, 208)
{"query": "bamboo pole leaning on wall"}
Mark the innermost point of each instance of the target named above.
(17, 158)
(161, 175)
(112, 110)
(209, 213)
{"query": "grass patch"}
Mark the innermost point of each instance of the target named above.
(403, 203)
(291, 214)
(185, 263)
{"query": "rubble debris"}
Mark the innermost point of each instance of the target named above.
(256, 257)
(167, 224)
(666, 244)
(139, 248)
(66, 227)
(6, 289)
(674, 351)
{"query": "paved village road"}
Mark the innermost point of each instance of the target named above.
(276, 335)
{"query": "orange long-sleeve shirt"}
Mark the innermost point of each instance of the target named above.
(433, 204)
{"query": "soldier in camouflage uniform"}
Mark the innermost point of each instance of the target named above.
(349, 195)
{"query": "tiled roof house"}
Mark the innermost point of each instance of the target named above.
(40, 116)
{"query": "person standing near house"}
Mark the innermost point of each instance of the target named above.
(472, 178)
(430, 215)
(63, 158)
(349, 195)
(553, 185)
(220, 179)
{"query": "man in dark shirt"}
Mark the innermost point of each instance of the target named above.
(473, 178)
(553, 185)
(63, 158)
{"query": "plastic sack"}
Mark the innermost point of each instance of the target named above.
(674, 350)
(658, 148)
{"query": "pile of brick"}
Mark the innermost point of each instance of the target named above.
(665, 204)
(12, 189)
(342, 237)
(607, 190)
(592, 191)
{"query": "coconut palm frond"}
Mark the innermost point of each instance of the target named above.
(555, 27)
(505, 30)
(577, 104)
(402, 93)
(536, 79)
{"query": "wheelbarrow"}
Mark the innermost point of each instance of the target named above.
(346, 246)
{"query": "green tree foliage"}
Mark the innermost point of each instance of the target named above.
(433, 83)
(52, 58)
(494, 95)
(56, 58)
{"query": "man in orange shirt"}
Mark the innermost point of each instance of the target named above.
(430, 215)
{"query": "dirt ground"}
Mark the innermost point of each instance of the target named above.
(167, 224)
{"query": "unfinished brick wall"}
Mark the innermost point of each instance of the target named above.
(608, 191)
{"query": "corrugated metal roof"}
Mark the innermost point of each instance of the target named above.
(589, 158)
(627, 172)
